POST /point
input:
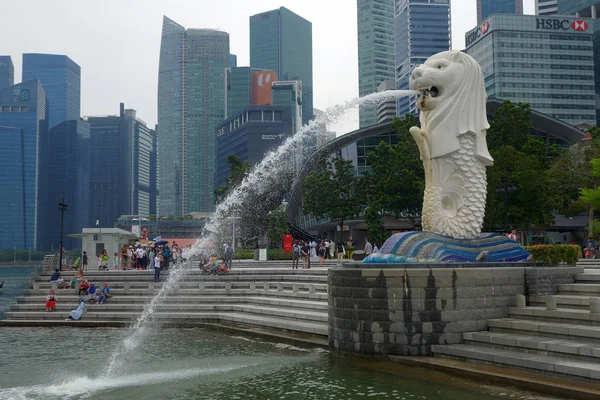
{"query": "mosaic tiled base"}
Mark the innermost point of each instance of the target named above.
(429, 247)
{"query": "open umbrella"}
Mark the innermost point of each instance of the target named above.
(161, 242)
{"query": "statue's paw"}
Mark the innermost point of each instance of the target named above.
(415, 131)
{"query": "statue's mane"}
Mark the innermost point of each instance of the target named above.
(464, 111)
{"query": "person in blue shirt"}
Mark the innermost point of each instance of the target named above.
(56, 278)
(104, 294)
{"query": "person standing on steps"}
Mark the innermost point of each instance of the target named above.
(84, 264)
(368, 248)
(305, 252)
(341, 252)
(166, 256)
(295, 255)
(332, 250)
(157, 264)
(228, 255)
(321, 251)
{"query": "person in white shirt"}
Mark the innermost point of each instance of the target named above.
(326, 248)
(368, 247)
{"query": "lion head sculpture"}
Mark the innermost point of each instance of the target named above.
(453, 102)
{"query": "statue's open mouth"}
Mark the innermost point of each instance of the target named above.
(431, 91)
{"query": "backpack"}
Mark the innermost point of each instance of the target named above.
(296, 249)
(167, 252)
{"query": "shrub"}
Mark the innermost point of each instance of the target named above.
(555, 253)
(243, 254)
(278, 254)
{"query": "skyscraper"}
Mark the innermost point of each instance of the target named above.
(485, 8)
(64, 174)
(587, 9)
(191, 103)
(376, 52)
(546, 7)
(520, 62)
(282, 41)
(123, 152)
(416, 41)
(247, 86)
(23, 117)
(61, 79)
(7, 72)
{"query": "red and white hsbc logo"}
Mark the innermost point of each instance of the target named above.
(579, 25)
(561, 24)
(484, 28)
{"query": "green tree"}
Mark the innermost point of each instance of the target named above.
(375, 228)
(151, 217)
(332, 190)
(518, 183)
(396, 180)
(238, 170)
(278, 226)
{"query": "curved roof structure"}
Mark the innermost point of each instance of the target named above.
(543, 123)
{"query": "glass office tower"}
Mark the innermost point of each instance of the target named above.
(544, 61)
(191, 103)
(376, 51)
(422, 30)
(546, 7)
(282, 41)
(485, 8)
(23, 111)
(587, 9)
(61, 79)
(7, 72)
(65, 175)
(123, 159)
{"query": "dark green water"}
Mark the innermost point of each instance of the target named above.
(15, 280)
(69, 363)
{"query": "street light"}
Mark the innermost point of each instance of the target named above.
(62, 206)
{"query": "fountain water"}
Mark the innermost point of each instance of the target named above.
(270, 167)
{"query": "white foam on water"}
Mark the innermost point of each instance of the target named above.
(83, 386)
(271, 168)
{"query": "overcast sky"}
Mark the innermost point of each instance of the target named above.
(117, 42)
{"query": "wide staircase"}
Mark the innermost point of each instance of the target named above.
(561, 339)
(254, 294)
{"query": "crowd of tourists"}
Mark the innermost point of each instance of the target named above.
(87, 292)
(211, 265)
(141, 257)
(325, 249)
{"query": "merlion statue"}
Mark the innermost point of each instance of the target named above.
(452, 143)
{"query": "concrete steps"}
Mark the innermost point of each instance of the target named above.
(564, 341)
(272, 297)
(540, 345)
(517, 359)
(589, 263)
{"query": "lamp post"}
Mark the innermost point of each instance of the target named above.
(62, 206)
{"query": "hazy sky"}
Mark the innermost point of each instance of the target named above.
(117, 42)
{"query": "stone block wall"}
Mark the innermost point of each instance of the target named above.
(544, 281)
(405, 311)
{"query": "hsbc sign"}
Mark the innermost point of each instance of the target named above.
(477, 33)
(561, 24)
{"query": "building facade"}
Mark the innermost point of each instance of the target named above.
(546, 7)
(547, 62)
(485, 8)
(123, 173)
(282, 41)
(247, 86)
(422, 29)
(7, 72)
(13, 207)
(386, 110)
(250, 135)
(376, 51)
(61, 79)
(65, 175)
(587, 9)
(191, 103)
(23, 115)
